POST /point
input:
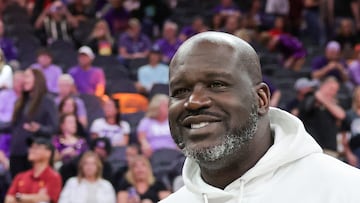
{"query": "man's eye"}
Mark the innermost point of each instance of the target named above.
(180, 92)
(217, 84)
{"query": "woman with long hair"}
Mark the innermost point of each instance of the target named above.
(101, 40)
(34, 114)
(88, 186)
(68, 145)
(351, 124)
(153, 130)
(139, 184)
(111, 126)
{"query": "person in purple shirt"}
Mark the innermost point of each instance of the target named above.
(153, 130)
(354, 67)
(7, 45)
(117, 17)
(331, 64)
(88, 79)
(292, 50)
(8, 98)
(51, 71)
(68, 145)
(66, 86)
(196, 27)
(225, 9)
(169, 43)
(133, 44)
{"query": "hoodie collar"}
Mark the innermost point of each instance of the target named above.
(291, 143)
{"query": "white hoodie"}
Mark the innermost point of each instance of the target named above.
(293, 170)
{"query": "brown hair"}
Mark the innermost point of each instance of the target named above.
(39, 90)
(99, 165)
(62, 104)
(129, 174)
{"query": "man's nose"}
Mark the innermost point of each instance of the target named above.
(198, 99)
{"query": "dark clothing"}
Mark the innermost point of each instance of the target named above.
(151, 193)
(351, 124)
(342, 8)
(18, 164)
(319, 122)
(46, 115)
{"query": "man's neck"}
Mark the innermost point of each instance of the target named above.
(86, 67)
(240, 163)
(39, 168)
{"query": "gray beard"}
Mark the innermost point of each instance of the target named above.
(234, 140)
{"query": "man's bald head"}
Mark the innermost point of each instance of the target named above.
(245, 55)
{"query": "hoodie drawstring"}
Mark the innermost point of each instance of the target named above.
(205, 198)
(242, 184)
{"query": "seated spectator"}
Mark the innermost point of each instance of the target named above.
(279, 27)
(111, 126)
(6, 44)
(6, 78)
(82, 10)
(152, 73)
(133, 44)
(303, 86)
(88, 79)
(140, 185)
(5, 178)
(68, 145)
(88, 186)
(169, 42)
(35, 114)
(55, 22)
(346, 37)
(225, 9)
(354, 67)
(320, 113)
(291, 49)
(131, 152)
(274, 92)
(101, 40)
(351, 124)
(331, 64)
(51, 71)
(68, 106)
(117, 17)
(196, 27)
(102, 147)
(153, 130)
(8, 99)
(232, 24)
(41, 183)
(67, 88)
(277, 7)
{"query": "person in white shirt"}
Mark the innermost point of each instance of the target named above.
(6, 73)
(238, 148)
(111, 126)
(88, 186)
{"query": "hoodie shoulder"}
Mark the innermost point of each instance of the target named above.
(182, 195)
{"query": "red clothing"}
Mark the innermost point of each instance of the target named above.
(26, 183)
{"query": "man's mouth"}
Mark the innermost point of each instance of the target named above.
(199, 125)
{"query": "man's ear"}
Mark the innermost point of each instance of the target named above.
(263, 93)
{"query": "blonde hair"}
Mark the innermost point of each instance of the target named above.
(129, 173)
(89, 154)
(2, 59)
(355, 101)
(153, 109)
(108, 36)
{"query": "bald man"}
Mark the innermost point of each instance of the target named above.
(238, 148)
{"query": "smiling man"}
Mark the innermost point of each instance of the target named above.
(238, 148)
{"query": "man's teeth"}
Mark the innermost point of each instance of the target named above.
(199, 125)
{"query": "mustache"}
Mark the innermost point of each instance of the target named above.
(199, 112)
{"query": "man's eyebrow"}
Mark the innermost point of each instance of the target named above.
(213, 74)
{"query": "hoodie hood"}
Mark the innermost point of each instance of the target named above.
(291, 143)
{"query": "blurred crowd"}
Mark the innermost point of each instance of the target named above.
(87, 80)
